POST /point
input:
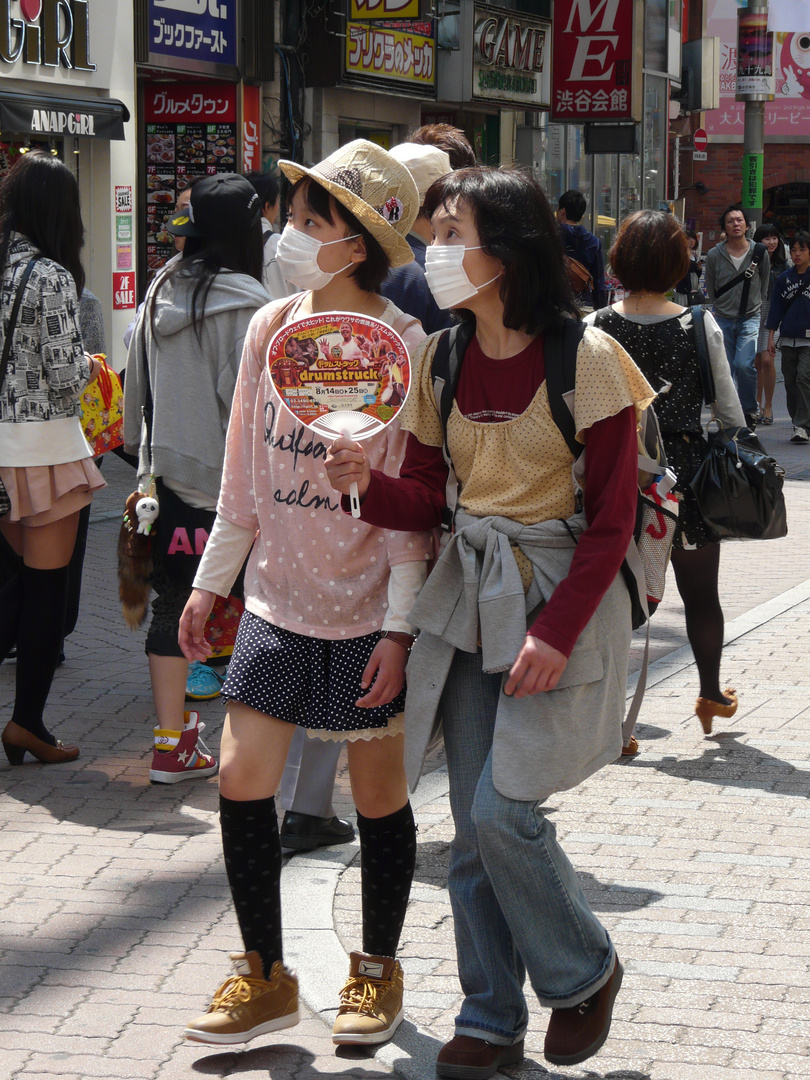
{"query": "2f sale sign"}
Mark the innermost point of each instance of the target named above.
(123, 291)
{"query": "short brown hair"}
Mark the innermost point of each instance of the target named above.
(450, 139)
(650, 252)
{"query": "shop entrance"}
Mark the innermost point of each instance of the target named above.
(788, 208)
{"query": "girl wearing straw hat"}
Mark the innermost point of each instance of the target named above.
(324, 638)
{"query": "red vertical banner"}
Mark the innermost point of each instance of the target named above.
(597, 61)
(251, 128)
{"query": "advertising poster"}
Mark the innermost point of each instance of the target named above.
(340, 373)
(789, 113)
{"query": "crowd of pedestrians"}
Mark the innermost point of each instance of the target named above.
(514, 623)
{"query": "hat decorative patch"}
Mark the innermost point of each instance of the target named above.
(182, 220)
(392, 211)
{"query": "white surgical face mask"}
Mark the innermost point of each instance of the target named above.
(297, 257)
(446, 277)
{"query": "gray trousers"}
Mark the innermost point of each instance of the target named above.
(796, 370)
(308, 782)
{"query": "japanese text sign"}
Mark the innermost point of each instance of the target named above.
(597, 73)
(385, 53)
(384, 9)
(188, 103)
(203, 31)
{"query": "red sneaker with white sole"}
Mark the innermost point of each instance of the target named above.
(181, 755)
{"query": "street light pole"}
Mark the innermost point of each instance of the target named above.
(754, 87)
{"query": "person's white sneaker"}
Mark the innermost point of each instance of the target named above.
(800, 435)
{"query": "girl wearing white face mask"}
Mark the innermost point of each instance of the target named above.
(532, 693)
(325, 636)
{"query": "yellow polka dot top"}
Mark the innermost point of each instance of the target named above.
(521, 468)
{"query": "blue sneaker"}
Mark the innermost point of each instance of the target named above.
(203, 683)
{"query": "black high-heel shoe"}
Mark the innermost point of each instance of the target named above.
(16, 740)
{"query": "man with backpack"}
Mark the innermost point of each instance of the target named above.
(737, 275)
(790, 313)
(583, 250)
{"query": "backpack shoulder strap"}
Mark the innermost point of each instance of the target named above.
(446, 368)
(561, 375)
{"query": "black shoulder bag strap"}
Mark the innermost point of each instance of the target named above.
(12, 322)
(702, 351)
(745, 276)
(561, 375)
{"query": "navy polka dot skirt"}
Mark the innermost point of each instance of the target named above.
(304, 680)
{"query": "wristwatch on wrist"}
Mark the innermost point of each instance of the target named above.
(400, 637)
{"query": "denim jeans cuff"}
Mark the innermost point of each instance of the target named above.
(495, 1038)
(583, 993)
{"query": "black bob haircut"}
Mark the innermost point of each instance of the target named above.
(515, 224)
(372, 272)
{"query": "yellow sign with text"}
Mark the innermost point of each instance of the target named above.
(384, 9)
(390, 54)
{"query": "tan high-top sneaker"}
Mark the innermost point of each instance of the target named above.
(370, 1002)
(247, 1004)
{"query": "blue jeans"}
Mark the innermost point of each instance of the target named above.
(740, 339)
(518, 906)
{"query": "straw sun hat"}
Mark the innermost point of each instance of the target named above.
(373, 186)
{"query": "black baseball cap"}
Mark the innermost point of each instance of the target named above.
(219, 204)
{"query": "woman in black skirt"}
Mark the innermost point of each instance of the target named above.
(648, 256)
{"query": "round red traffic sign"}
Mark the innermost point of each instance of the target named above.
(700, 139)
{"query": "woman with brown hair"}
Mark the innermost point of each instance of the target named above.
(648, 256)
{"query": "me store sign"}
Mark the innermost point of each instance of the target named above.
(47, 33)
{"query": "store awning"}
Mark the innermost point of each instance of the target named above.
(95, 118)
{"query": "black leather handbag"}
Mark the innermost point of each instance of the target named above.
(738, 486)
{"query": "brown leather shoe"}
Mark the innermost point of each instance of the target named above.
(576, 1034)
(466, 1058)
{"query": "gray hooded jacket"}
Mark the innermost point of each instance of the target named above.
(720, 269)
(192, 377)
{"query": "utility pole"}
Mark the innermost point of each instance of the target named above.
(755, 86)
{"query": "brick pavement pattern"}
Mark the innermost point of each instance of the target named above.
(116, 917)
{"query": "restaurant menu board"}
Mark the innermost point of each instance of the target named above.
(178, 151)
(338, 372)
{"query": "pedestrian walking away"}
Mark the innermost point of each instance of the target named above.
(524, 625)
(582, 246)
(46, 463)
(325, 636)
(780, 261)
(737, 277)
(790, 314)
(648, 255)
(181, 372)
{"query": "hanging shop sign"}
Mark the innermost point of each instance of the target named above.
(191, 130)
(511, 58)
(755, 74)
(251, 129)
(389, 9)
(193, 34)
(400, 54)
(597, 68)
(50, 33)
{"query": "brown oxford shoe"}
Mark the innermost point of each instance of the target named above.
(467, 1058)
(577, 1033)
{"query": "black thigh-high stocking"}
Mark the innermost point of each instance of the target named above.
(696, 577)
(252, 850)
(387, 863)
(39, 643)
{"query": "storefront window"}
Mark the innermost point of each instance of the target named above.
(655, 141)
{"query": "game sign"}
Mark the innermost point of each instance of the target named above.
(340, 374)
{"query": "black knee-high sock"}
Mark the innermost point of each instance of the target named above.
(39, 643)
(387, 863)
(10, 609)
(252, 850)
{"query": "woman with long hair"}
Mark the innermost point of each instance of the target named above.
(182, 366)
(46, 464)
(780, 261)
(524, 625)
(648, 255)
(325, 635)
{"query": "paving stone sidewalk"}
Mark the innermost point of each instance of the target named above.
(117, 919)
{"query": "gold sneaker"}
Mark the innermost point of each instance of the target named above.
(247, 1004)
(370, 1002)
